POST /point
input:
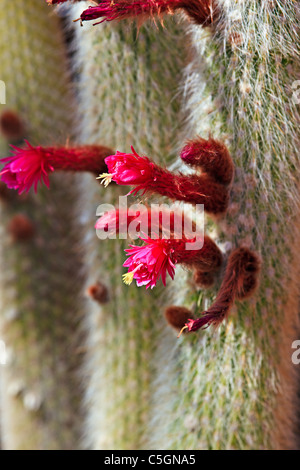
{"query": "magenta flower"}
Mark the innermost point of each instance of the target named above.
(159, 256)
(149, 262)
(30, 166)
(128, 168)
(26, 168)
(141, 172)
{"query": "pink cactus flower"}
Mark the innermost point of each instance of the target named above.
(30, 166)
(128, 169)
(158, 257)
(26, 168)
(146, 264)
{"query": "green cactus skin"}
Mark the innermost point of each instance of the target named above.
(41, 279)
(129, 96)
(236, 388)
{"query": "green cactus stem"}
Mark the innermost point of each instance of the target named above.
(129, 95)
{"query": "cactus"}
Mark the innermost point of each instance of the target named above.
(41, 264)
(233, 385)
(236, 388)
(128, 96)
(244, 370)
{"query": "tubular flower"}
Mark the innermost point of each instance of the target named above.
(240, 281)
(158, 257)
(128, 169)
(202, 12)
(132, 169)
(146, 264)
(30, 166)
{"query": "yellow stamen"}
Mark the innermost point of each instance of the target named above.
(128, 278)
(106, 179)
(182, 330)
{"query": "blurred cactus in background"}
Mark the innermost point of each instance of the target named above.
(210, 81)
(41, 264)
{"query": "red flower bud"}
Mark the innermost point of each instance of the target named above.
(211, 156)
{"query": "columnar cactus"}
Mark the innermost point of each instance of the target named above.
(237, 387)
(41, 265)
(129, 95)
